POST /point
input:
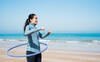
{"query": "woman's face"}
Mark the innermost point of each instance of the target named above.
(34, 20)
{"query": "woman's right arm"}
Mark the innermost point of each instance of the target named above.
(27, 31)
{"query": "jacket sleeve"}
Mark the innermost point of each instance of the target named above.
(29, 31)
(41, 36)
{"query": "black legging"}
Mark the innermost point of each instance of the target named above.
(34, 58)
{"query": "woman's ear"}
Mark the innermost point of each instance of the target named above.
(30, 20)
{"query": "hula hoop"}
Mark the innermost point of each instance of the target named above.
(46, 47)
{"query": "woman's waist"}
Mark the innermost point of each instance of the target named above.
(33, 49)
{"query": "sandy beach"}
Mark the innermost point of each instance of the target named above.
(53, 54)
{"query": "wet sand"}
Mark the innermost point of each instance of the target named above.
(53, 55)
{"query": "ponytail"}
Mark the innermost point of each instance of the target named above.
(26, 23)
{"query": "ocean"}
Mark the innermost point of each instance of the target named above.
(80, 41)
(58, 36)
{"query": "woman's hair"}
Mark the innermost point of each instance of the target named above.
(31, 16)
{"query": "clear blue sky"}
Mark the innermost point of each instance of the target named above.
(71, 16)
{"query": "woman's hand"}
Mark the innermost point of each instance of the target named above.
(42, 28)
(49, 32)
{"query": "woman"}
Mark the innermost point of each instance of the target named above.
(32, 33)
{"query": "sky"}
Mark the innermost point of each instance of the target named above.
(65, 16)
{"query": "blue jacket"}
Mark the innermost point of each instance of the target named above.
(32, 33)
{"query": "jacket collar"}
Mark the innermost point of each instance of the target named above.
(32, 24)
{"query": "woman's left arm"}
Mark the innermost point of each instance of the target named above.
(41, 36)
